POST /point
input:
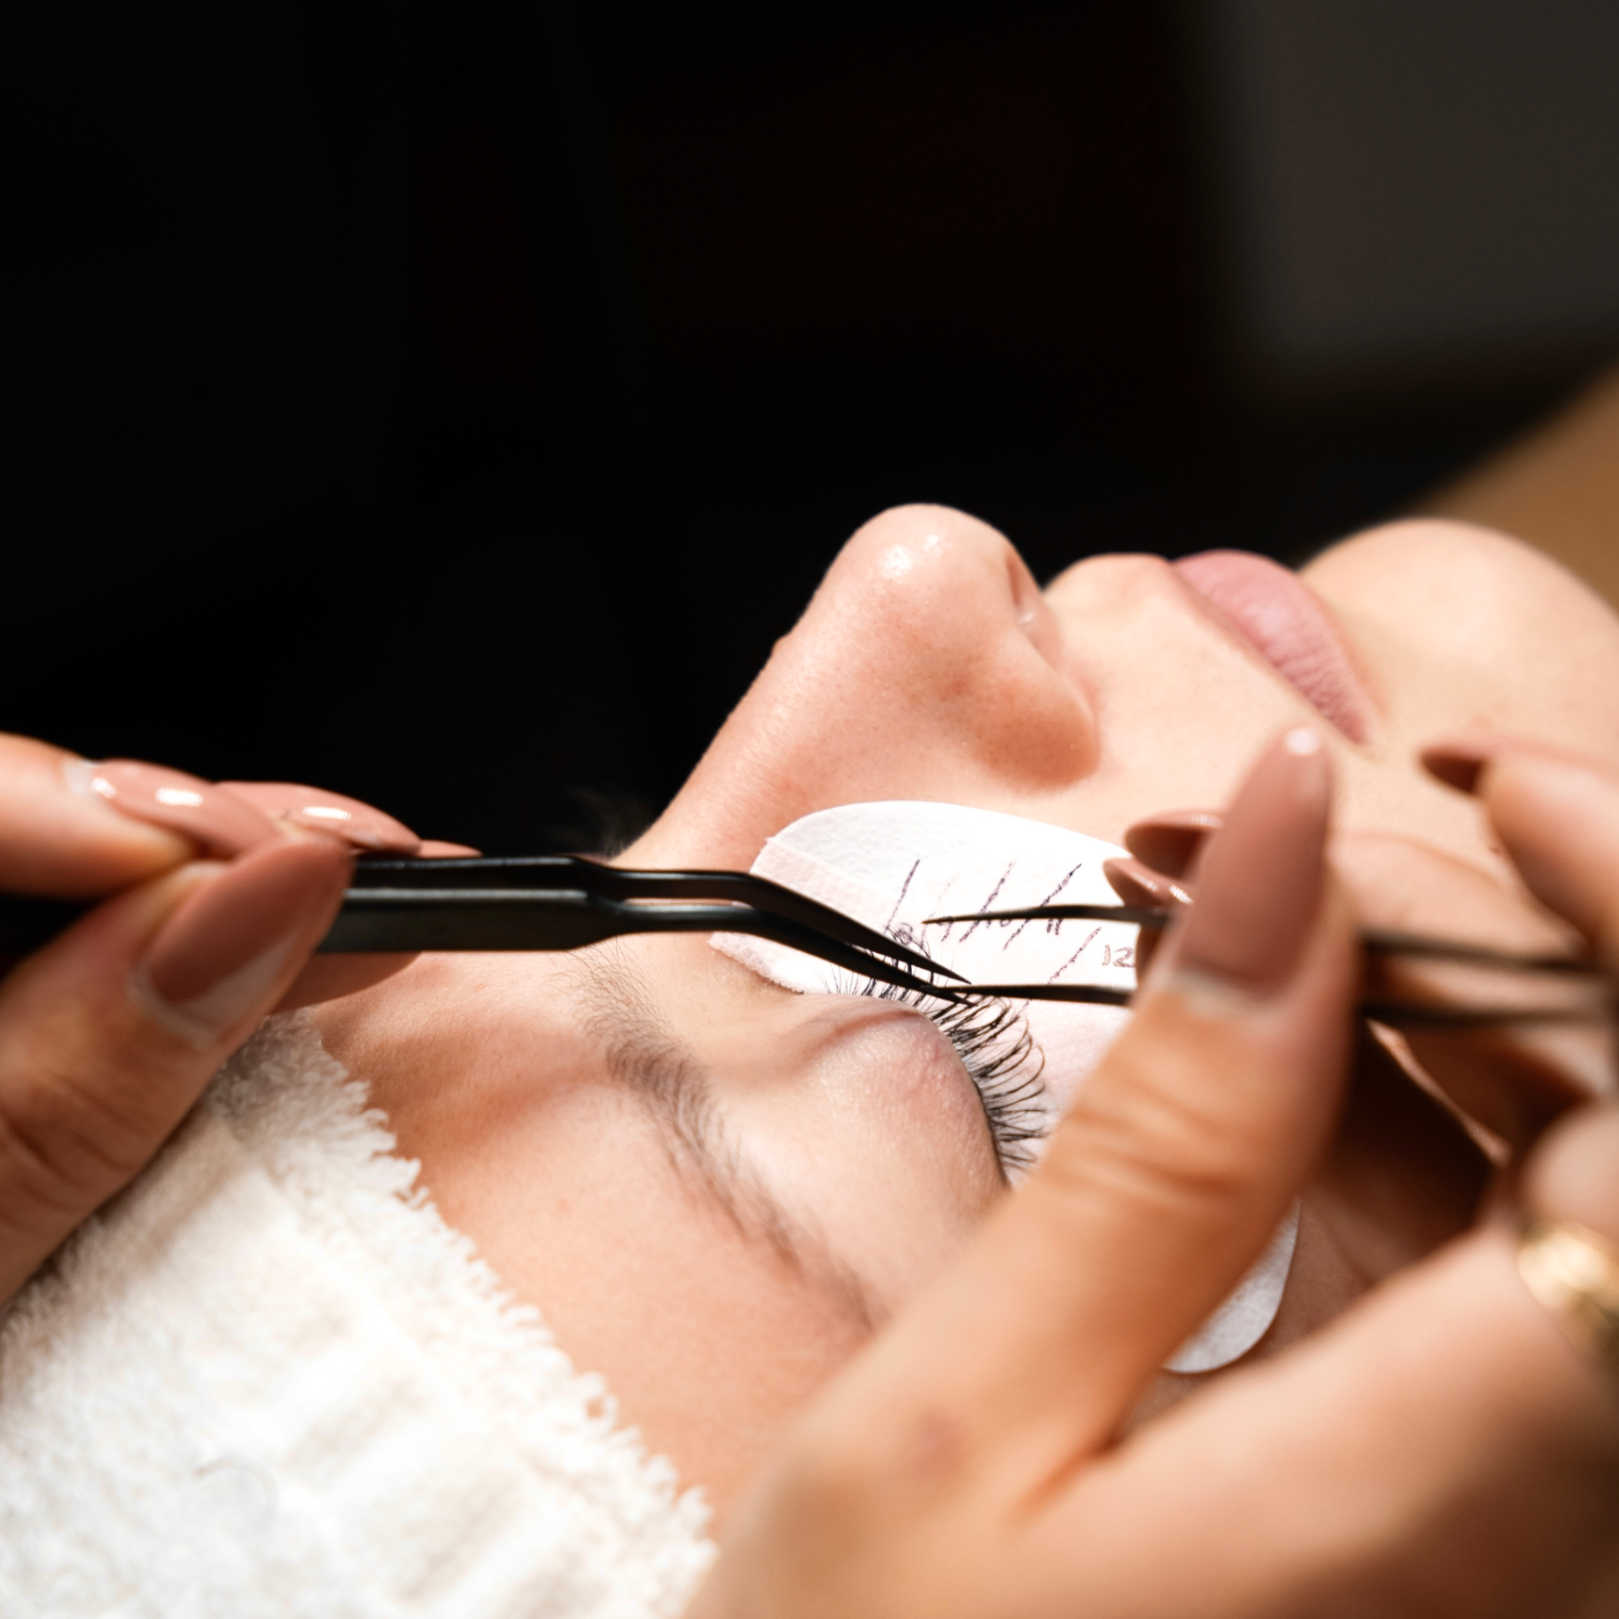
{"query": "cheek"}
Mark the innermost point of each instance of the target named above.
(708, 1342)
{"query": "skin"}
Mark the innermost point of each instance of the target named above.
(930, 665)
(971, 1459)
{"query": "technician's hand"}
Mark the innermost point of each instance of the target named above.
(1449, 1447)
(210, 909)
(365, 830)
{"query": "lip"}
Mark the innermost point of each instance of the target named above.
(1274, 614)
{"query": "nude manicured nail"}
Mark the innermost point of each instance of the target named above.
(356, 823)
(217, 821)
(1458, 762)
(1260, 881)
(1169, 842)
(217, 958)
(1137, 884)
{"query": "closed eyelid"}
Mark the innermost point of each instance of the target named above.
(643, 1055)
(999, 1058)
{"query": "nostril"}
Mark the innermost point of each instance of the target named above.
(1043, 633)
(1033, 612)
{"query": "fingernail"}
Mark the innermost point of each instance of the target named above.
(217, 821)
(1137, 884)
(215, 961)
(1576, 797)
(356, 823)
(1260, 881)
(1169, 842)
(1458, 761)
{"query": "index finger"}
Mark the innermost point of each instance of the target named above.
(1446, 1435)
(1160, 1187)
(59, 835)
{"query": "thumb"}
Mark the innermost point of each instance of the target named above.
(1453, 1439)
(1165, 1179)
(108, 1034)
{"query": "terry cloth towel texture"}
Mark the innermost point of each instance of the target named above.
(269, 1380)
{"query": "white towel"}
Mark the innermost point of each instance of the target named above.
(268, 1379)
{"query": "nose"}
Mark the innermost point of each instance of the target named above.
(928, 665)
(934, 637)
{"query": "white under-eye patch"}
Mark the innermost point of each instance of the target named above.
(892, 865)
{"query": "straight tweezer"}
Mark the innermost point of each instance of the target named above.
(1376, 941)
(557, 902)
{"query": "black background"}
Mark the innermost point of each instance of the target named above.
(451, 405)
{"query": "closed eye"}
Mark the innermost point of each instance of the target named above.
(992, 1040)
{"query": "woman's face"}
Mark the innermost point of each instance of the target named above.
(715, 1189)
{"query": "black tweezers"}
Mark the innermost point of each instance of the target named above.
(555, 902)
(1376, 941)
(565, 902)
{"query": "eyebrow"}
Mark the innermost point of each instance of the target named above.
(643, 1054)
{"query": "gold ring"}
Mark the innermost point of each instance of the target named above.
(1574, 1272)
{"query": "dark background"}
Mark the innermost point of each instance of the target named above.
(451, 405)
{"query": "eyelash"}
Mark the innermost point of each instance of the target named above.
(995, 1047)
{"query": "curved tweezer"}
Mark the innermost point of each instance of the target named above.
(564, 902)
(554, 902)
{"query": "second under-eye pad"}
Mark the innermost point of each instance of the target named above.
(892, 865)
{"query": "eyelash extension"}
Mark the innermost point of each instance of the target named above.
(992, 1040)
